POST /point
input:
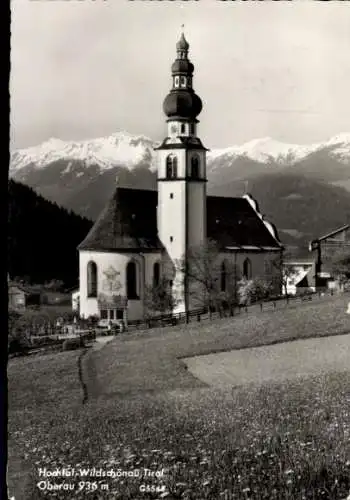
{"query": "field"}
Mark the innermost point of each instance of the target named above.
(164, 434)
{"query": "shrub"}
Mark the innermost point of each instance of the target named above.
(18, 345)
(71, 344)
(250, 291)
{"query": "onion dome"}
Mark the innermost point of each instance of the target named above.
(182, 66)
(182, 104)
(182, 101)
(182, 44)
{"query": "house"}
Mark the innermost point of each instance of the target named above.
(299, 276)
(141, 235)
(325, 248)
(20, 297)
(75, 300)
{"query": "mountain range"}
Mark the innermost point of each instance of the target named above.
(303, 189)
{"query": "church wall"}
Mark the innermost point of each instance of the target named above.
(196, 214)
(117, 261)
(261, 263)
(171, 217)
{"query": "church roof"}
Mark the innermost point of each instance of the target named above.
(129, 222)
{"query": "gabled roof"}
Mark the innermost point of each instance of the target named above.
(129, 222)
(333, 233)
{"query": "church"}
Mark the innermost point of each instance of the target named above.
(141, 234)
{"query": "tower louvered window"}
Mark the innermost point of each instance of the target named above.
(195, 167)
(171, 167)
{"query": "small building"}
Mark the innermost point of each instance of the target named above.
(75, 300)
(20, 297)
(326, 247)
(299, 277)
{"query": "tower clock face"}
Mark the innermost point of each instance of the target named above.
(173, 129)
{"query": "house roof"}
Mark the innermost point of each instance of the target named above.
(129, 222)
(333, 233)
(13, 286)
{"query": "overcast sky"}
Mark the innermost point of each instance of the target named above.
(84, 68)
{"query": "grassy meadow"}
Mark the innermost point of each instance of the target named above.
(161, 433)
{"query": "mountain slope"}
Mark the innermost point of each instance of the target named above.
(301, 208)
(42, 237)
(292, 182)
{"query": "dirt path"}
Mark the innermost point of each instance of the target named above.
(273, 363)
(89, 375)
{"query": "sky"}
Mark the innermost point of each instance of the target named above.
(82, 69)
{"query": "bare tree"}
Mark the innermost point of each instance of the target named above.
(285, 273)
(159, 298)
(340, 265)
(211, 281)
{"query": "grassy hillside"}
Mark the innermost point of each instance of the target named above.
(42, 237)
(275, 441)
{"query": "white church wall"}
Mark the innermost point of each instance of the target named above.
(115, 262)
(196, 214)
(171, 217)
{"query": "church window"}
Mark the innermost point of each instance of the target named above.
(183, 128)
(92, 279)
(171, 238)
(156, 274)
(195, 167)
(183, 81)
(171, 167)
(176, 81)
(131, 280)
(171, 195)
(174, 167)
(247, 269)
(223, 277)
(192, 128)
(104, 314)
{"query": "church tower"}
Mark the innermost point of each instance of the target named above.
(181, 211)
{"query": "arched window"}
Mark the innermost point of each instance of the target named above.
(131, 281)
(174, 167)
(156, 274)
(171, 167)
(92, 279)
(183, 81)
(223, 277)
(183, 128)
(176, 81)
(247, 269)
(195, 167)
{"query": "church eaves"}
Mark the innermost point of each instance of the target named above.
(129, 223)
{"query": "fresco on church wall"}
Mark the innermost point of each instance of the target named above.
(111, 281)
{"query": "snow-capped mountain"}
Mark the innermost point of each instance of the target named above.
(292, 182)
(267, 150)
(128, 151)
(120, 148)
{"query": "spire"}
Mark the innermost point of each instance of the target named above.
(182, 102)
(182, 44)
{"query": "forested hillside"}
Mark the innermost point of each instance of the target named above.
(42, 237)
